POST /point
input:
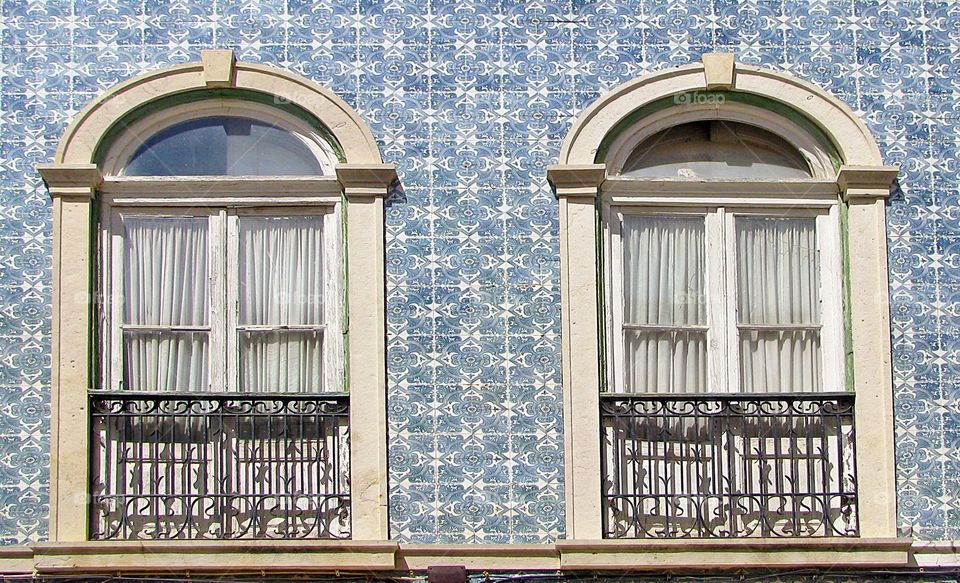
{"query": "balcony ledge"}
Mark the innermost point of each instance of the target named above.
(733, 553)
(221, 556)
(276, 557)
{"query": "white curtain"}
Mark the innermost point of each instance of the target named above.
(664, 296)
(165, 286)
(778, 286)
(281, 284)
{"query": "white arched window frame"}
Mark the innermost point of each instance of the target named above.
(222, 202)
(848, 180)
(721, 203)
(84, 179)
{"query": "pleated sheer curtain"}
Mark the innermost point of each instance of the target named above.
(280, 300)
(778, 305)
(665, 328)
(280, 334)
(166, 294)
(665, 310)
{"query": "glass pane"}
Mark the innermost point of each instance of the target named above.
(778, 271)
(281, 270)
(780, 361)
(284, 361)
(165, 361)
(224, 146)
(664, 270)
(716, 149)
(165, 271)
(665, 362)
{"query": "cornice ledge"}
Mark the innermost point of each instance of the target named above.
(576, 180)
(366, 180)
(733, 553)
(479, 556)
(866, 181)
(220, 556)
(72, 180)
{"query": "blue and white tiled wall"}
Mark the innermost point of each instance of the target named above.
(472, 100)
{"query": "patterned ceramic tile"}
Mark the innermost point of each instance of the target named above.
(472, 99)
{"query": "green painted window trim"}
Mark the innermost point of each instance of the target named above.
(602, 323)
(757, 101)
(847, 316)
(121, 125)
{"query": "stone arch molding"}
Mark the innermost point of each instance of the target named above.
(76, 178)
(217, 69)
(719, 72)
(848, 170)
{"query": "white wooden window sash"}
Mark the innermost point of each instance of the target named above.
(223, 286)
(723, 327)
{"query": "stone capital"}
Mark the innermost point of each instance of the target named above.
(366, 180)
(866, 182)
(576, 180)
(71, 180)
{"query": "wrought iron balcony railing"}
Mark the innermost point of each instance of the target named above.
(219, 466)
(723, 466)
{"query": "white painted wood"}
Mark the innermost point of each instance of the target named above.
(610, 231)
(216, 284)
(335, 303)
(732, 333)
(158, 328)
(232, 304)
(115, 349)
(103, 301)
(664, 328)
(831, 307)
(617, 299)
(716, 305)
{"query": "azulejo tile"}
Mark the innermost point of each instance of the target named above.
(472, 101)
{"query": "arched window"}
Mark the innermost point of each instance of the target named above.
(238, 294)
(209, 391)
(716, 149)
(712, 291)
(705, 216)
(221, 145)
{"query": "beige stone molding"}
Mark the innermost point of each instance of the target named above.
(718, 71)
(576, 180)
(577, 187)
(365, 186)
(866, 181)
(276, 557)
(936, 554)
(218, 67)
(479, 557)
(74, 179)
(733, 553)
(608, 132)
(837, 120)
(364, 180)
(91, 125)
(71, 180)
(16, 559)
(219, 556)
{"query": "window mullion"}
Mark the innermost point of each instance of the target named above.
(218, 301)
(716, 307)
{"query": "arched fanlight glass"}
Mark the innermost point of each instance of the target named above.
(224, 146)
(716, 149)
